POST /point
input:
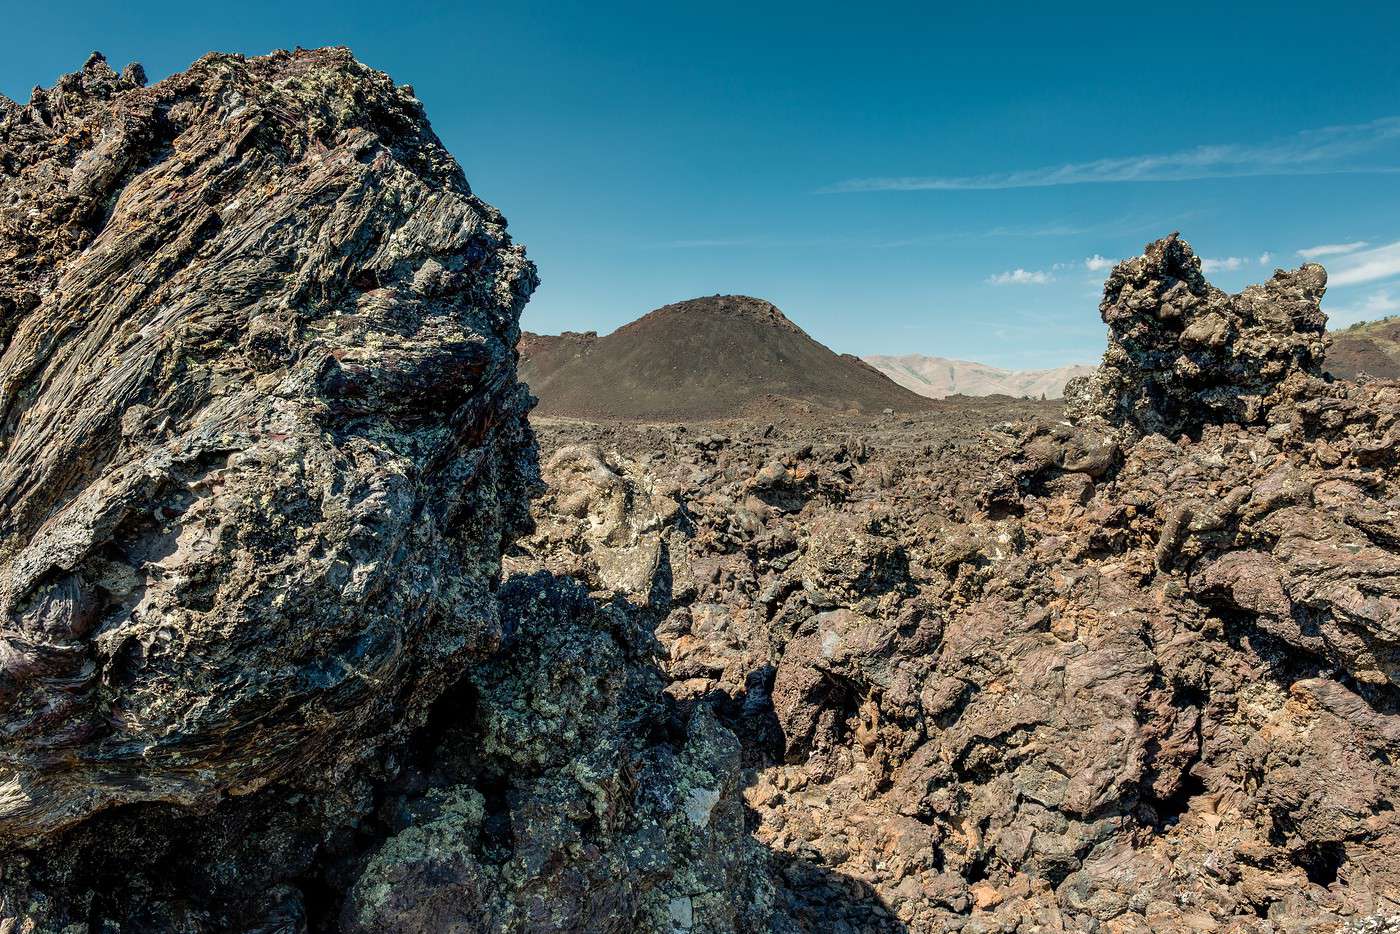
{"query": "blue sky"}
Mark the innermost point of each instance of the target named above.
(897, 177)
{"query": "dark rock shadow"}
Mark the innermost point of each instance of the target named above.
(810, 897)
(813, 898)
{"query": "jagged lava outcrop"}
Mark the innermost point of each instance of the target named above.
(262, 439)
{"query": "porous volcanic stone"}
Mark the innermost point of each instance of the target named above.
(1183, 354)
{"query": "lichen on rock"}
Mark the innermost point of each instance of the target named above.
(612, 808)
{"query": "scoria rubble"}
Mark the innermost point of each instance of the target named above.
(282, 648)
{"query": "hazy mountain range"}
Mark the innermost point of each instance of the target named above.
(937, 377)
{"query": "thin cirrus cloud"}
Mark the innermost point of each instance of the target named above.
(1019, 276)
(1229, 263)
(1357, 267)
(1326, 151)
(1332, 249)
(1379, 304)
(1222, 265)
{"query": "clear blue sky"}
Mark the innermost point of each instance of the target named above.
(880, 171)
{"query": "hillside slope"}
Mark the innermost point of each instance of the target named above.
(1372, 348)
(721, 356)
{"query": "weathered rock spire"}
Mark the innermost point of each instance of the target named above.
(1183, 354)
(261, 441)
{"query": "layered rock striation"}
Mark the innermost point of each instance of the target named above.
(261, 442)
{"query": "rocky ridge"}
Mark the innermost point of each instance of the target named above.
(1367, 350)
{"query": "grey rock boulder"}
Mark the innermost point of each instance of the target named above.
(261, 440)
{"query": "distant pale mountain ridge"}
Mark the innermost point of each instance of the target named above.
(939, 377)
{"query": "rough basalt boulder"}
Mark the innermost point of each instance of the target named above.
(261, 440)
(1182, 353)
(571, 796)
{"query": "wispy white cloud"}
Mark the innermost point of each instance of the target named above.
(1313, 152)
(1332, 249)
(1378, 304)
(1371, 265)
(702, 244)
(1020, 276)
(748, 243)
(1265, 257)
(1041, 230)
(1097, 263)
(1223, 264)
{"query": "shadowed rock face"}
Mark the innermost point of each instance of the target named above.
(1182, 354)
(571, 796)
(261, 441)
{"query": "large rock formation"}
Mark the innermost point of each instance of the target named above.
(261, 449)
(261, 442)
(1182, 354)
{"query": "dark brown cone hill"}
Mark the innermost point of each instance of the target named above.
(261, 442)
(723, 356)
(1368, 350)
